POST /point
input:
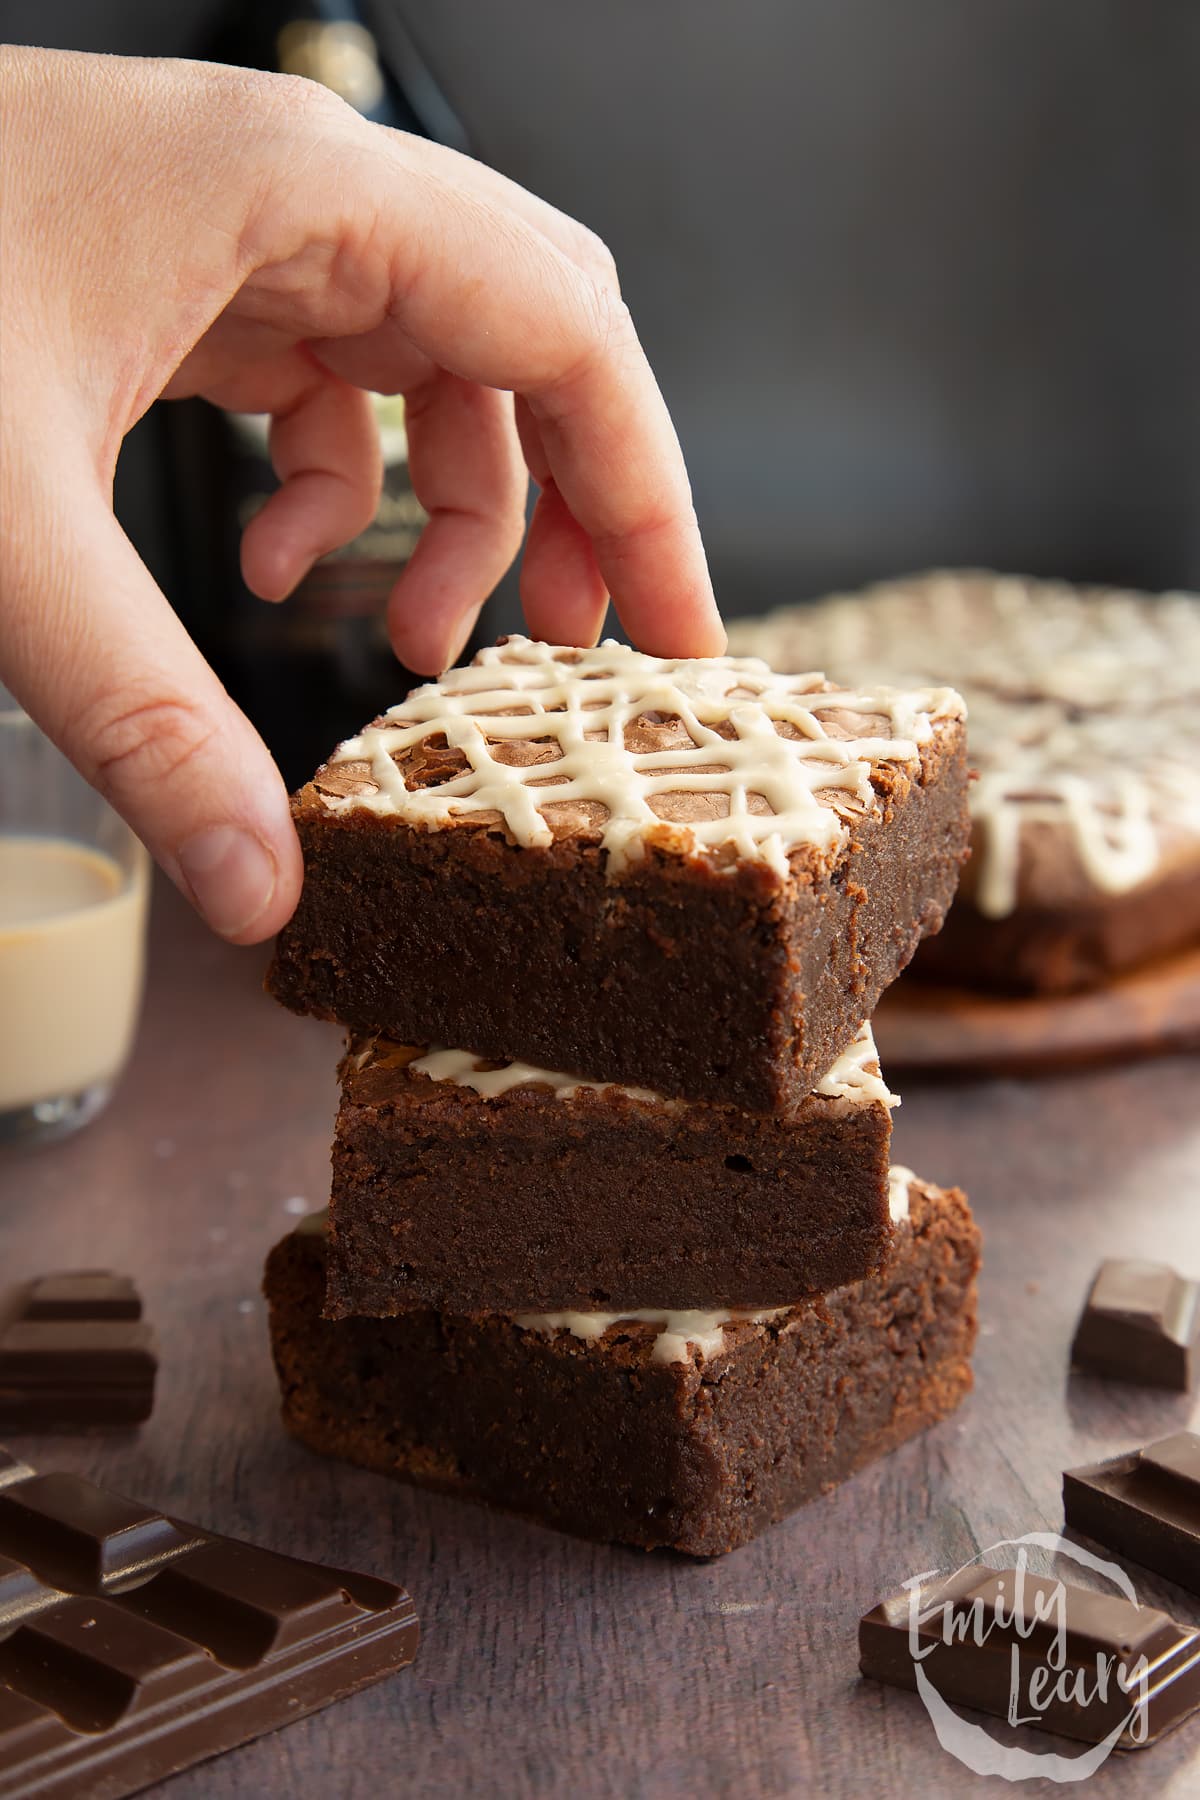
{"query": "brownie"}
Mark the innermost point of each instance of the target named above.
(472, 1187)
(696, 877)
(1085, 729)
(692, 1432)
(1065, 948)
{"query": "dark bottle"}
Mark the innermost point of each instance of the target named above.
(314, 669)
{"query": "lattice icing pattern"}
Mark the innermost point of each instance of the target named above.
(855, 1076)
(680, 1333)
(1084, 707)
(707, 756)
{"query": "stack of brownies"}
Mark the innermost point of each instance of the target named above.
(613, 1239)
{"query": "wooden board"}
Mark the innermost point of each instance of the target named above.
(1156, 1009)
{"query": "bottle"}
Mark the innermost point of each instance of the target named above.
(316, 668)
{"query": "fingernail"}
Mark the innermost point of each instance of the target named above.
(230, 875)
(716, 638)
(461, 637)
(597, 628)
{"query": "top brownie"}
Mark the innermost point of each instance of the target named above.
(694, 876)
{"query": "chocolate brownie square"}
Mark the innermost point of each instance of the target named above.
(689, 1430)
(694, 876)
(1085, 729)
(469, 1186)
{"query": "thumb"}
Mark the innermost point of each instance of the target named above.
(94, 653)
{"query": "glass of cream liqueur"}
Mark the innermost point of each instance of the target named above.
(74, 886)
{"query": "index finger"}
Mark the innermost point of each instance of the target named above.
(611, 448)
(483, 292)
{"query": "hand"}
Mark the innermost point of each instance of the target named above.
(179, 228)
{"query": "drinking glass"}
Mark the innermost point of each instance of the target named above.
(74, 887)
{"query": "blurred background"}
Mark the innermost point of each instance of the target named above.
(921, 283)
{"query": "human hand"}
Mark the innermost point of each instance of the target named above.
(180, 228)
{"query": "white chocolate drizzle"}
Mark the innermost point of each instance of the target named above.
(714, 754)
(1084, 708)
(679, 1333)
(854, 1077)
(464, 1069)
(900, 1180)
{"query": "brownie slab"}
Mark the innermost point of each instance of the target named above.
(474, 1187)
(696, 877)
(1085, 729)
(688, 1431)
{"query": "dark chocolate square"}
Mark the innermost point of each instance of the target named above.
(1141, 1323)
(75, 1354)
(988, 1637)
(1145, 1505)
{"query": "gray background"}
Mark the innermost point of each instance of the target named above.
(921, 280)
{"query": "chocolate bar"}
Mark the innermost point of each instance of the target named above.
(1144, 1505)
(1141, 1323)
(75, 1353)
(136, 1645)
(1036, 1650)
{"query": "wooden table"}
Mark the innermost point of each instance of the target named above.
(551, 1666)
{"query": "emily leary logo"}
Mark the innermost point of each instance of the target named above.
(1028, 1612)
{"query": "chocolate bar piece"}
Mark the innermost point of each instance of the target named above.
(1141, 1323)
(613, 1197)
(75, 1353)
(1036, 1650)
(696, 876)
(687, 1430)
(134, 1646)
(1144, 1505)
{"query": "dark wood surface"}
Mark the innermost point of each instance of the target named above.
(922, 1027)
(551, 1666)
